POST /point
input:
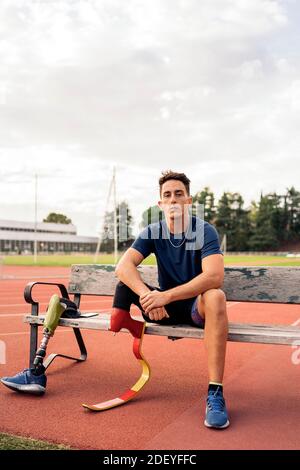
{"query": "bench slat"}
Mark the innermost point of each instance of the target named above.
(253, 333)
(242, 283)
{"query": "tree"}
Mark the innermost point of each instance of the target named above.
(265, 234)
(55, 218)
(277, 216)
(207, 199)
(124, 229)
(292, 214)
(151, 215)
(234, 221)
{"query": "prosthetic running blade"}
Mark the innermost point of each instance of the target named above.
(135, 389)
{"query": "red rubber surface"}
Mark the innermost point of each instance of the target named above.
(262, 385)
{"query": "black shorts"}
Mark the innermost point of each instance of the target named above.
(179, 311)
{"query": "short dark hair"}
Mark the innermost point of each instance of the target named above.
(172, 175)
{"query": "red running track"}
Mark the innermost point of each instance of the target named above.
(262, 383)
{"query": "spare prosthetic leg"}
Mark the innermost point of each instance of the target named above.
(121, 319)
(54, 312)
(34, 380)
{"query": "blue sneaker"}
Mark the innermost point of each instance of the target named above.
(26, 382)
(216, 413)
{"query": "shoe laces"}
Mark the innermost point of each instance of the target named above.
(22, 372)
(19, 374)
(215, 401)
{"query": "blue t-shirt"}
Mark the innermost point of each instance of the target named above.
(179, 257)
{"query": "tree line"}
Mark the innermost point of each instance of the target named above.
(267, 224)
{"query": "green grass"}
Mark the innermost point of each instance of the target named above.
(62, 260)
(67, 260)
(55, 260)
(262, 260)
(10, 442)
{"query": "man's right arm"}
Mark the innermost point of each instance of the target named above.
(126, 271)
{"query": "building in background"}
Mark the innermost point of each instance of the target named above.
(18, 237)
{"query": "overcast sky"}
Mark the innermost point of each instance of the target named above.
(210, 88)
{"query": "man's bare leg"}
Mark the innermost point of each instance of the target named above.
(212, 306)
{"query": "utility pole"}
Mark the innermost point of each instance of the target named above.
(224, 244)
(111, 191)
(35, 219)
(115, 216)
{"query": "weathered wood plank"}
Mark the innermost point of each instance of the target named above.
(271, 284)
(242, 283)
(246, 333)
(100, 279)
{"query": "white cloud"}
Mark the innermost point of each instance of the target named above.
(165, 113)
(210, 88)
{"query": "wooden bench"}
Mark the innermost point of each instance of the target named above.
(242, 284)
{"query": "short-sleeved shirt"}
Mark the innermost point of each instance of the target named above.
(179, 257)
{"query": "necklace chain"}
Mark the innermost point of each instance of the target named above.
(177, 246)
(183, 240)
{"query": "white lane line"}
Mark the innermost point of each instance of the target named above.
(28, 332)
(10, 277)
(6, 315)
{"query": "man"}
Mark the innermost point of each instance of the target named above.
(190, 272)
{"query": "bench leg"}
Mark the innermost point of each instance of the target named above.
(82, 348)
(33, 344)
(51, 357)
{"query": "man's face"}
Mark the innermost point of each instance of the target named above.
(174, 199)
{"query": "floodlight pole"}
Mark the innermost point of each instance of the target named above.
(115, 217)
(35, 220)
(112, 190)
(224, 244)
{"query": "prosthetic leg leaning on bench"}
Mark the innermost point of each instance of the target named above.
(33, 381)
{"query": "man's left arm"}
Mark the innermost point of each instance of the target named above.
(212, 277)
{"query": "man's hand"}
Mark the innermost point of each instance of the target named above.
(154, 299)
(158, 314)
